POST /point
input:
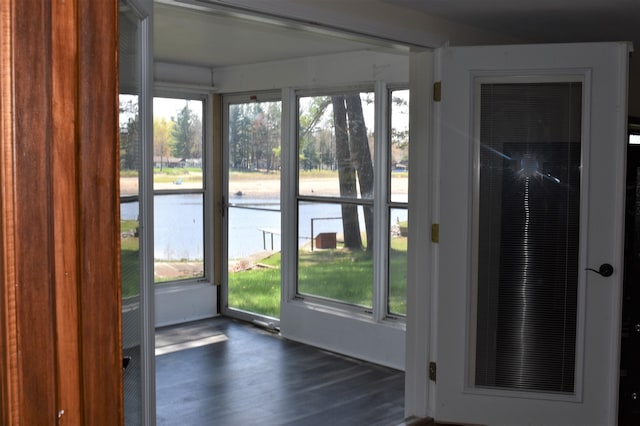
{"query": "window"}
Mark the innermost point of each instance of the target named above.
(179, 189)
(130, 166)
(337, 195)
(397, 200)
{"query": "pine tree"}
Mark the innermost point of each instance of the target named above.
(185, 133)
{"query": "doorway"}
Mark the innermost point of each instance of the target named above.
(252, 210)
(629, 395)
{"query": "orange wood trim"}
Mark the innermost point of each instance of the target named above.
(65, 211)
(32, 231)
(60, 338)
(98, 126)
(9, 384)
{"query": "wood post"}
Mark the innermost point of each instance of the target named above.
(60, 350)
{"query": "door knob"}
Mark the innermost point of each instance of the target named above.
(606, 270)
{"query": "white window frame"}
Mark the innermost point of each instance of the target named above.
(389, 204)
(205, 191)
(192, 299)
(235, 99)
(380, 202)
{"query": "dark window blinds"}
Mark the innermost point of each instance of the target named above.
(528, 232)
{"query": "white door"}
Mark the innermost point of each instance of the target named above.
(532, 160)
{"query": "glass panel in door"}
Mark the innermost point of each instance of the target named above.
(130, 169)
(253, 215)
(528, 215)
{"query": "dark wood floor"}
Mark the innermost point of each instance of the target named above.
(238, 374)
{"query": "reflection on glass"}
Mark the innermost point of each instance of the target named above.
(253, 220)
(527, 253)
(399, 154)
(333, 262)
(178, 237)
(399, 230)
(335, 145)
(177, 143)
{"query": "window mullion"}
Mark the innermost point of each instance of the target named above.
(380, 209)
(288, 188)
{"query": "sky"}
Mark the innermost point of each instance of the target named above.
(168, 107)
(162, 107)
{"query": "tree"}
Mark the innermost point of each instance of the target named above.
(187, 134)
(346, 175)
(239, 136)
(162, 139)
(400, 136)
(400, 127)
(129, 134)
(361, 157)
(196, 147)
(272, 121)
(309, 158)
(351, 156)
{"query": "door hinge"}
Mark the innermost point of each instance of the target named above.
(435, 232)
(432, 371)
(437, 91)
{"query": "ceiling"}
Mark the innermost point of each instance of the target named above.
(200, 37)
(197, 35)
(541, 21)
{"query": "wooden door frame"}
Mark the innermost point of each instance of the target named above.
(60, 334)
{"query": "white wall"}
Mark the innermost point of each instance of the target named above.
(316, 71)
(356, 336)
(183, 303)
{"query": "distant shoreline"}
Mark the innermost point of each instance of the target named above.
(259, 186)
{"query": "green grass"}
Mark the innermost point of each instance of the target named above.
(398, 276)
(171, 174)
(128, 173)
(338, 274)
(130, 259)
(177, 171)
(257, 290)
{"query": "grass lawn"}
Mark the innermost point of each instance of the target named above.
(130, 260)
(184, 174)
(338, 274)
(257, 290)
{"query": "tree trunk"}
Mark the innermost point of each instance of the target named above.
(346, 175)
(361, 153)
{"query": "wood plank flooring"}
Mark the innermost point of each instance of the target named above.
(226, 372)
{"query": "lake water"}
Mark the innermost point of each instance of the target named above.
(178, 224)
